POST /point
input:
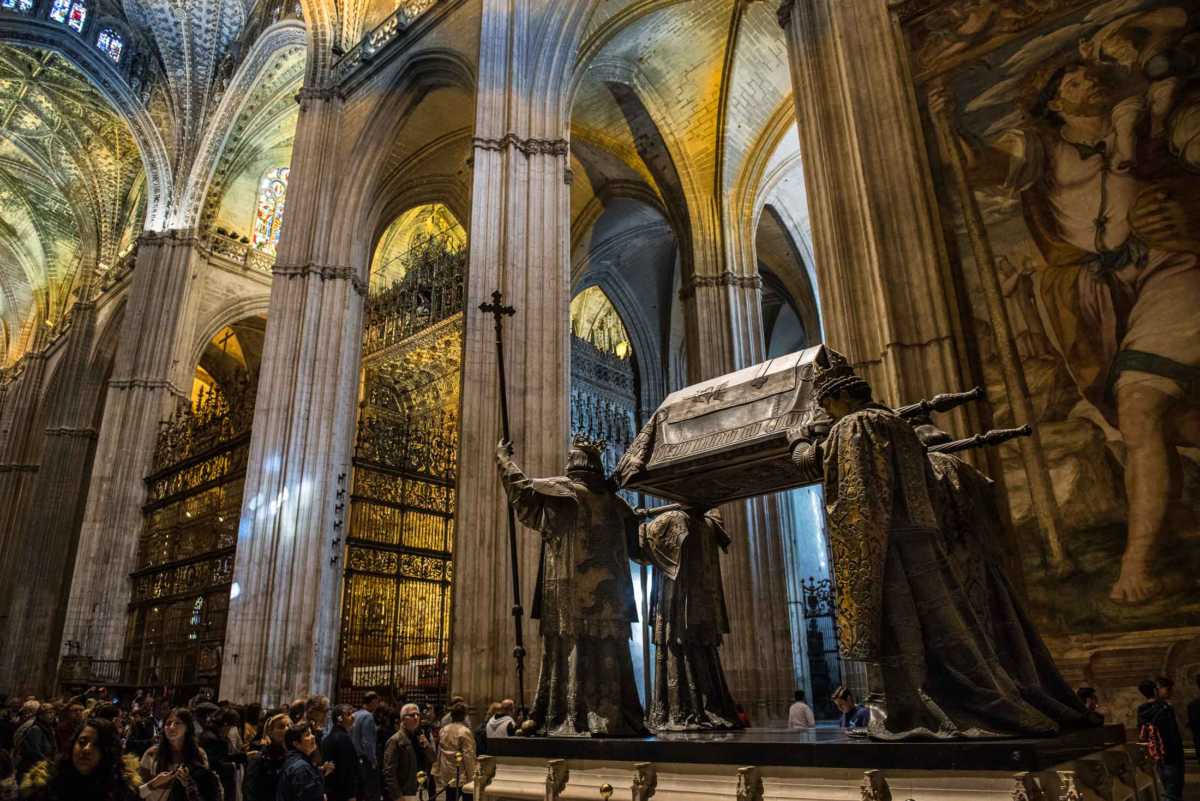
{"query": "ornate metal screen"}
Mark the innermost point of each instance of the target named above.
(395, 636)
(176, 626)
(824, 664)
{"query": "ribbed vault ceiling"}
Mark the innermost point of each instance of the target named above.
(69, 175)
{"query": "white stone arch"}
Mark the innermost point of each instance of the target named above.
(110, 82)
(228, 314)
(275, 42)
(321, 23)
(419, 74)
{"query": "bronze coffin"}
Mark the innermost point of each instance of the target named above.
(726, 439)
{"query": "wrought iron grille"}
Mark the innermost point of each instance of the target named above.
(429, 291)
(824, 664)
(176, 626)
(399, 563)
(395, 636)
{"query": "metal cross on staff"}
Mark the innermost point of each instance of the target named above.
(499, 311)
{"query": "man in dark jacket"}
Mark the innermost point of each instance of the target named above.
(1158, 726)
(34, 740)
(338, 748)
(408, 752)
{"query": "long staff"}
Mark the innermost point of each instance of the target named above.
(499, 311)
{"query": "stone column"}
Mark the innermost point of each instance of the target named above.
(34, 592)
(147, 382)
(723, 313)
(887, 296)
(20, 443)
(520, 240)
(285, 604)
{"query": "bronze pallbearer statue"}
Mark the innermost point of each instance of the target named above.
(584, 597)
(946, 646)
(689, 620)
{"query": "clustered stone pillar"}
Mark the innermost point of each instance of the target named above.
(723, 313)
(285, 604)
(520, 235)
(147, 382)
(38, 570)
(886, 296)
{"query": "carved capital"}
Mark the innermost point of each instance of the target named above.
(725, 279)
(527, 147)
(557, 776)
(749, 786)
(875, 787)
(180, 236)
(324, 273)
(1026, 788)
(309, 95)
(645, 781)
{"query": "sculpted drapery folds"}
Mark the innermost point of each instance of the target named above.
(916, 616)
(584, 598)
(689, 619)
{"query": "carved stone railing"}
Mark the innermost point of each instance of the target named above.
(84, 671)
(408, 12)
(238, 253)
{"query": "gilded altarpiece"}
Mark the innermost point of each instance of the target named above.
(395, 636)
(1063, 139)
(181, 586)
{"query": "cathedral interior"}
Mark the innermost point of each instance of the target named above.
(249, 403)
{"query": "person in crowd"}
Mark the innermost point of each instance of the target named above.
(90, 768)
(456, 740)
(854, 715)
(316, 712)
(8, 776)
(1090, 700)
(1193, 717)
(337, 749)
(68, 723)
(458, 699)
(742, 715)
(177, 768)
(300, 780)
(10, 718)
(481, 731)
(296, 710)
(141, 732)
(251, 721)
(231, 729)
(210, 735)
(363, 733)
(34, 739)
(266, 761)
(800, 714)
(1159, 730)
(501, 723)
(408, 752)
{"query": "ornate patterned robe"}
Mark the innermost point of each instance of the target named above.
(687, 607)
(584, 601)
(935, 667)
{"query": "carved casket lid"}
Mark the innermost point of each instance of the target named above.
(726, 438)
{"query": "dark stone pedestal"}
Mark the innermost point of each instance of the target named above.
(819, 748)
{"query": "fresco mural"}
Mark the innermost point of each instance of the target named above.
(1077, 128)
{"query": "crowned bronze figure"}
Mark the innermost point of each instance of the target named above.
(947, 650)
(584, 596)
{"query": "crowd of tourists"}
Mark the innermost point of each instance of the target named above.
(96, 747)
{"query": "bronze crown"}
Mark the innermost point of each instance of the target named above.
(835, 377)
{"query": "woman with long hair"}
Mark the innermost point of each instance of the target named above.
(90, 769)
(177, 769)
(267, 757)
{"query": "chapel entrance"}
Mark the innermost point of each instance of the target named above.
(395, 633)
(184, 569)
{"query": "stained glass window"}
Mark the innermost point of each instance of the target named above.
(268, 218)
(111, 44)
(23, 6)
(72, 13)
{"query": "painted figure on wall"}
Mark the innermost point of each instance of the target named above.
(1103, 153)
